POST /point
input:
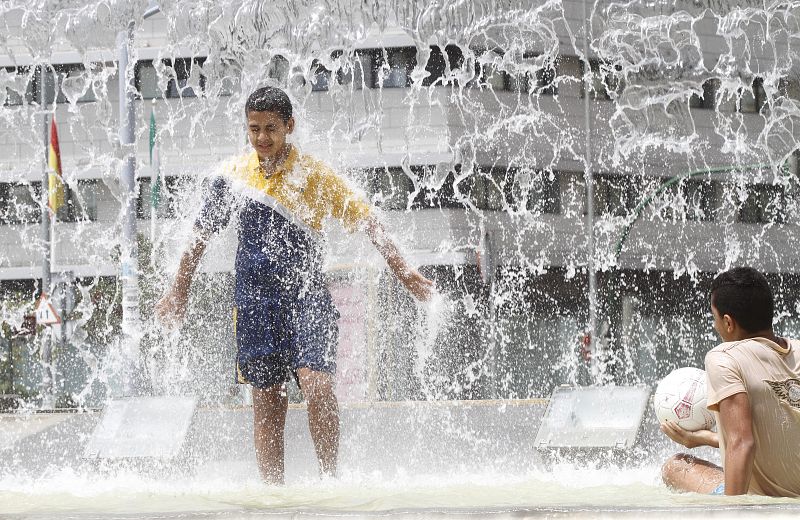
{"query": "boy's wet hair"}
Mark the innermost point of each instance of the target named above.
(744, 294)
(269, 99)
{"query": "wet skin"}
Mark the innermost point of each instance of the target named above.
(267, 133)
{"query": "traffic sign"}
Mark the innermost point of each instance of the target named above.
(45, 312)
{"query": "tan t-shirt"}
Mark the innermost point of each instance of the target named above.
(770, 375)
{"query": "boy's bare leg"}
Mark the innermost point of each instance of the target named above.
(323, 416)
(269, 415)
(684, 472)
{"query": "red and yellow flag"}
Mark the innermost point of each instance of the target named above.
(55, 193)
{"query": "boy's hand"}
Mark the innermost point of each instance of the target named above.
(687, 438)
(420, 287)
(171, 308)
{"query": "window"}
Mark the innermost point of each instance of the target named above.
(541, 82)
(708, 98)
(546, 79)
(355, 69)
(146, 80)
(606, 80)
(393, 68)
(186, 78)
(278, 68)
(386, 68)
(390, 188)
(701, 199)
(544, 195)
(63, 83)
(85, 199)
(168, 197)
(144, 197)
(20, 203)
(220, 79)
(669, 204)
(442, 196)
(74, 84)
(440, 64)
(790, 87)
(320, 76)
(536, 191)
(754, 99)
(490, 189)
(615, 195)
(80, 202)
(688, 199)
(764, 204)
(19, 86)
(489, 75)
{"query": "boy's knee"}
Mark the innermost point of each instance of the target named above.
(674, 466)
(315, 384)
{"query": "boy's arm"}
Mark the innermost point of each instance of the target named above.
(417, 285)
(215, 213)
(171, 308)
(737, 425)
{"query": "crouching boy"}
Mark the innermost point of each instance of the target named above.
(754, 392)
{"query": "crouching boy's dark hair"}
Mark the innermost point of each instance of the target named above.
(744, 294)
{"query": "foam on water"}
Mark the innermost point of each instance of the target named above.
(564, 486)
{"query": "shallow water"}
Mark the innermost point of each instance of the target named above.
(395, 459)
(565, 488)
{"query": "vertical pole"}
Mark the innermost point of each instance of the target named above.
(66, 287)
(372, 318)
(154, 183)
(129, 260)
(153, 217)
(589, 182)
(47, 348)
(489, 265)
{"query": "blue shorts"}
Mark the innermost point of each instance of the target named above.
(276, 334)
(719, 490)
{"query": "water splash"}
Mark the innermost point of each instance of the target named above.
(460, 120)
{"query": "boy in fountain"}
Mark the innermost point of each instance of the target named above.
(284, 318)
(754, 391)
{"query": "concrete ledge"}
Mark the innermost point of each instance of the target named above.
(389, 438)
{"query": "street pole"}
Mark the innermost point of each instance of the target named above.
(130, 253)
(589, 182)
(48, 400)
(129, 261)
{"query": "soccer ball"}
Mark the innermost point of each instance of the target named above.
(681, 398)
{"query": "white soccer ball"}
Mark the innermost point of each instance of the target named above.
(681, 398)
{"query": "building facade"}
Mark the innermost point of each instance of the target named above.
(541, 196)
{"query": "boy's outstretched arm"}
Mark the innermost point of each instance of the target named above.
(171, 308)
(419, 286)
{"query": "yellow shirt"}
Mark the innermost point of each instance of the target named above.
(302, 189)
